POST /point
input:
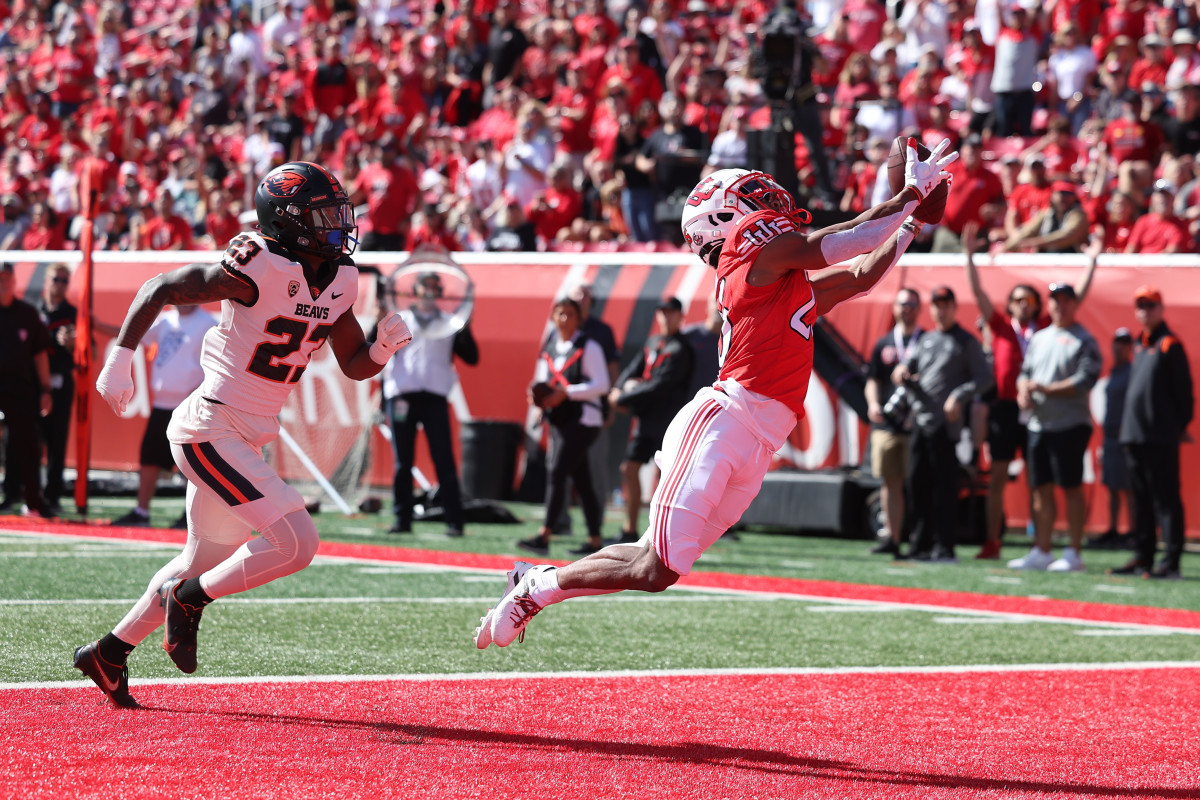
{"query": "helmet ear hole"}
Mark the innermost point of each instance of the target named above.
(725, 216)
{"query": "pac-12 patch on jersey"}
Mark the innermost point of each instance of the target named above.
(258, 352)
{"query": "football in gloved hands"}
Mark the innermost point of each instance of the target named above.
(931, 209)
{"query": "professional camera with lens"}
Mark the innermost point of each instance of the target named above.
(904, 402)
(781, 65)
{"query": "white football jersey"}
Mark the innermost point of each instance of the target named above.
(253, 359)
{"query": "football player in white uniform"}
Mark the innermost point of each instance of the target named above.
(283, 292)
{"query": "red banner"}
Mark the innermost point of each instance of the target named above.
(513, 299)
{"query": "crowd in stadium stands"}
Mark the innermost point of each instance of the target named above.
(575, 123)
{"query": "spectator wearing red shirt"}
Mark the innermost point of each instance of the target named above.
(1159, 230)
(534, 72)
(1130, 146)
(1083, 14)
(704, 102)
(855, 84)
(1152, 66)
(978, 197)
(1029, 198)
(45, 231)
(554, 209)
(863, 173)
(1123, 18)
(594, 16)
(835, 47)
(866, 19)
(1116, 222)
(571, 109)
(38, 129)
(72, 74)
(642, 82)
(329, 89)
(221, 220)
(498, 123)
(164, 229)
(1061, 151)
(432, 232)
(390, 191)
(400, 105)
(13, 178)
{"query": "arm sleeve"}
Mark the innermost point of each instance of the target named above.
(633, 369)
(596, 368)
(977, 364)
(1087, 368)
(1181, 382)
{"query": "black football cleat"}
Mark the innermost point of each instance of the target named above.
(180, 626)
(112, 680)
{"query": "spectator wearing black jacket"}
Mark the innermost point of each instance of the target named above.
(24, 390)
(946, 371)
(1158, 410)
(653, 387)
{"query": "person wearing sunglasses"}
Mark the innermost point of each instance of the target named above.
(1011, 327)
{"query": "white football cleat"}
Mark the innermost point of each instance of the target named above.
(513, 613)
(483, 634)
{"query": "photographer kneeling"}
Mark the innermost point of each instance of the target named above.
(947, 369)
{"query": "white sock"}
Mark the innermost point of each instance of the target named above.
(544, 589)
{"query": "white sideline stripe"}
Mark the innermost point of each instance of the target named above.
(290, 601)
(745, 593)
(962, 669)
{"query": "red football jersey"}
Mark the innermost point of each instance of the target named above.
(766, 331)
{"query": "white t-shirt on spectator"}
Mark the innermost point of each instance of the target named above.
(728, 150)
(1071, 69)
(520, 183)
(176, 371)
(483, 181)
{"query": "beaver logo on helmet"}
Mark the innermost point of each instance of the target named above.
(284, 184)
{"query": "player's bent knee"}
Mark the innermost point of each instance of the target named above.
(652, 574)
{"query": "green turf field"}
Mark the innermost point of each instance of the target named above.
(344, 618)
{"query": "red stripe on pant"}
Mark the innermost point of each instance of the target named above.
(674, 481)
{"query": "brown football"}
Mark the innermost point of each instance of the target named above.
(930, 211)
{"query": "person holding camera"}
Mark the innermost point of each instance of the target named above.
(890, 431)
(569, 381)
(940, 378)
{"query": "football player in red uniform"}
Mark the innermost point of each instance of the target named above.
(773, 281)
(283, 292)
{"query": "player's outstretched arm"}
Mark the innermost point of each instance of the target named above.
(360, 359)
(863, 234)
(194, 284)
(837, 284)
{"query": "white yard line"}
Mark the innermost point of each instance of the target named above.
(649, 673)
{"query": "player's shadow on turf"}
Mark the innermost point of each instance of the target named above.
(744, 758)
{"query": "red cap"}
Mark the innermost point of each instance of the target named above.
(1064, 186)
(1148, 293)
(626, 42)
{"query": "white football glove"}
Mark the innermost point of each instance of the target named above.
(115, 383)
(924, 176)
(391, 334)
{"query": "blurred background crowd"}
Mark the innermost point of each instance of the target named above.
(582, 124)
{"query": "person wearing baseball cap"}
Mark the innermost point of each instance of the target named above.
(944, 373)
(1061, 227)
(652, 387)
(1159, 407)
(1114, 468)
(1062, 364)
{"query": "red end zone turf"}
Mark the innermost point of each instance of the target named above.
(1102, 734)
